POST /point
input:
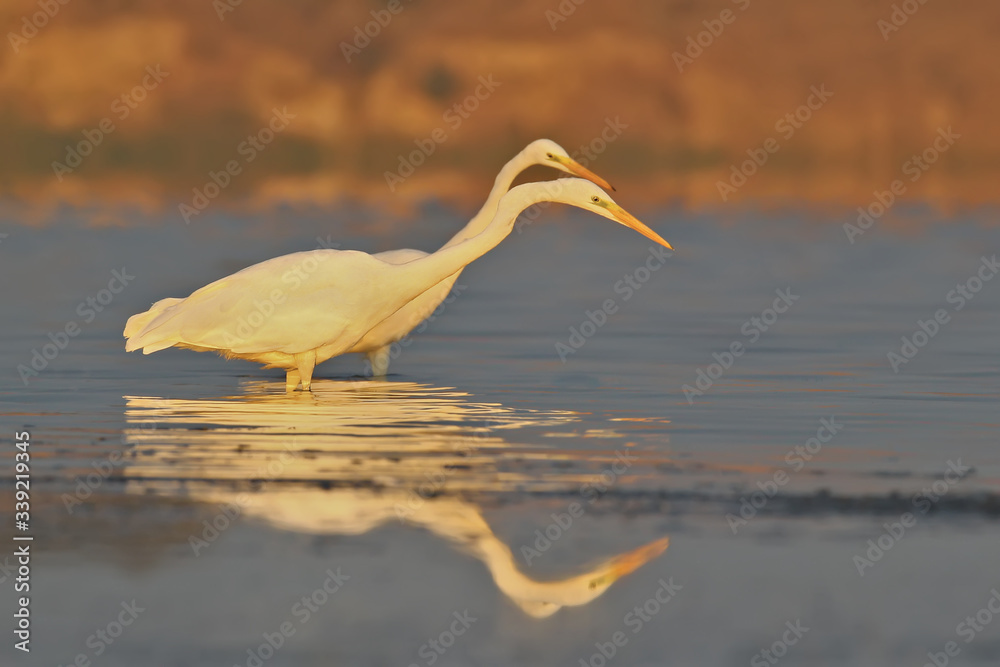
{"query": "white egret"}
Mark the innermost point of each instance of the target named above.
(376, 344)
(298, 310)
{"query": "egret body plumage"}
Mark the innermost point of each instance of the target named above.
(298, 310)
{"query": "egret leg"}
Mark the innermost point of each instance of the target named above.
(306, 362)
(292, 380)
(379, 361)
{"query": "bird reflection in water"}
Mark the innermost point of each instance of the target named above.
(352, 456)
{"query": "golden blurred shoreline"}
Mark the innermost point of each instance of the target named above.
(624, 86)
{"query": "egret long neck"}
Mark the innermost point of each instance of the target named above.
(422, 274)
(501, 185)
(463, 525)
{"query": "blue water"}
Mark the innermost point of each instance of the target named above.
(427, 488)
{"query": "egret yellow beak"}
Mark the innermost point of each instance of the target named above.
(577, 169)
(629, 220)
(633, 560)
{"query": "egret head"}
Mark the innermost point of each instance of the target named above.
(590, 197)
(542, 599)
(550, 154)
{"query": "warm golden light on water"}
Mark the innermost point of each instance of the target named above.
(352, 456)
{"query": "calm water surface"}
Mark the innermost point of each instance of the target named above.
(493, 502)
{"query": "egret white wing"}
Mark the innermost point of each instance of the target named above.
(289, 304)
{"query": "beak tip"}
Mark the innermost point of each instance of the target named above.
(633, 560)
(577, 169)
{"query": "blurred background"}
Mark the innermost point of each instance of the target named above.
(689, 87)
(176, 142)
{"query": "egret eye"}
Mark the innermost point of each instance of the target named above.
(549, 155)
(595, 199)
